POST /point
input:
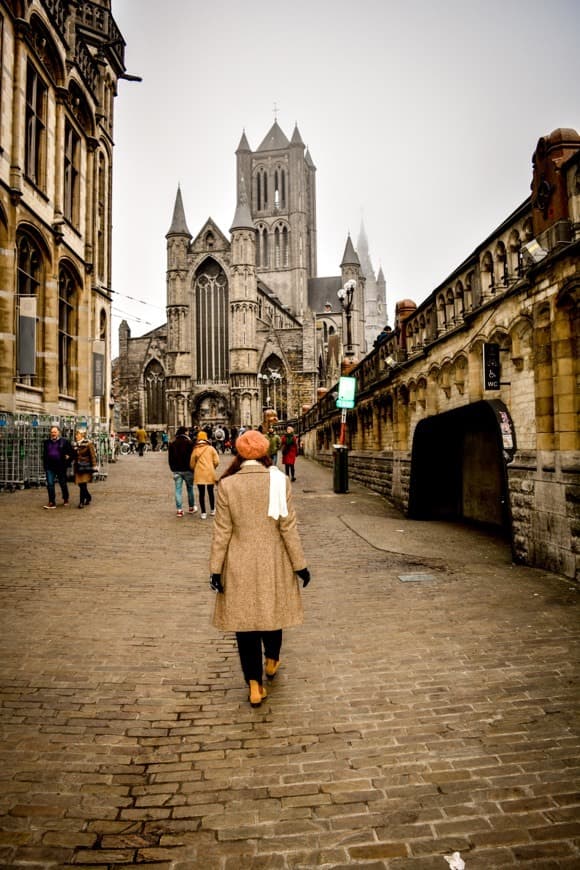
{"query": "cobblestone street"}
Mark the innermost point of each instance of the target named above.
(411, 718)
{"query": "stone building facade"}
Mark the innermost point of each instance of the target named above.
(60, 63)
(250, 326)
(469, 410)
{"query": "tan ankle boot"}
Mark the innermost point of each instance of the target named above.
(271, 667)
(257, 693)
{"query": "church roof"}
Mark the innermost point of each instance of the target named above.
(178, 224)
(242, 217)
(350, 257)
(275, 139)
(244, 144)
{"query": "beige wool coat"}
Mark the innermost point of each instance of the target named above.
(203, 462)
(255, 555)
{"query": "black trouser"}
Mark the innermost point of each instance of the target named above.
(201, 490)
(250, 650)
(289, 470)
(85, 496)
(140, 448)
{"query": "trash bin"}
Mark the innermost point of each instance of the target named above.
(340, 468)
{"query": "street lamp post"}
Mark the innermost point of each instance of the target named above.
(273, 378)
(345, 295)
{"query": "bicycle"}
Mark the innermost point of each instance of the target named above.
(131, 446)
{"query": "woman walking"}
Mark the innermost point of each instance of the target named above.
(289, 446)
(255, 556)
(203, 462)
(84, 465)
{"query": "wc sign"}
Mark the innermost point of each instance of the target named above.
(346, 393)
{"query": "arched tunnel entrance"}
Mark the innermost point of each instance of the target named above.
(458, 466)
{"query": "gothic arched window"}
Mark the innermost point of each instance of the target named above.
(211, 323)
(29, 306)
(67, 307)
(154, 382)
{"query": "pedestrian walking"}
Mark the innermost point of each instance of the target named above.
(204, 461)
(57, 455)
(85, 465)
(289, 447)
(141, 436)
(165, 441)
(153, 439)
(178, 456)
(275, 442)
(219, 436)
(255, 556)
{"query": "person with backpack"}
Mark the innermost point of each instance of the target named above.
(289, 445)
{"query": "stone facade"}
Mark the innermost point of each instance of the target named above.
(60, 65)
(250, 326)
(431, 433)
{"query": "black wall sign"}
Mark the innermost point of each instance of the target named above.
(491, 367)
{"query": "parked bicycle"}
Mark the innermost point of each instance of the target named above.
(130, 445)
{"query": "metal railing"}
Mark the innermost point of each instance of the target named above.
(22, 438)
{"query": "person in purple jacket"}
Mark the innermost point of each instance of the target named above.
(57, 455)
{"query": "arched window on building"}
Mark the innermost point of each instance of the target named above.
(261, 188)
(281, 245)
(72, 169)
(29, 277)
(262, 252)
(36, 120)
(67, 329)
(279, 187)
(154, 383)
(211, 323)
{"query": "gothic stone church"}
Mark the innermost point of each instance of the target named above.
(250, 326)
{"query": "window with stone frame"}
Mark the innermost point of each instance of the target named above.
(67, 307)
(211, 323)
(35, 136)
(29, 278)
(154, 382)
(72, 156)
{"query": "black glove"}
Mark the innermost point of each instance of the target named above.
(304, 575)
(215, 583)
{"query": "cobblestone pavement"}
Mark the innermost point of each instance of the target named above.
(410, 718)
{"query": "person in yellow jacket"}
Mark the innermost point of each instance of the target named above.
(203, 462)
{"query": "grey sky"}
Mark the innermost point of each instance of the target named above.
(421, 117)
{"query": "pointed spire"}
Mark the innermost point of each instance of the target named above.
(308, 160)
(380, 276)
(274, 140)
(296, 137)
(244, 144)
(350, 257)
(363, 241)
(242, 218)
(178, 224)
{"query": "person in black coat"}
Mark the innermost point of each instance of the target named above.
(57, 455)
(178, 456)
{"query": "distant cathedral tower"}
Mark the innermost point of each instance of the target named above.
(375, 291)
(281, 181)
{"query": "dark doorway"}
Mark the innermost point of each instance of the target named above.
(458, 469)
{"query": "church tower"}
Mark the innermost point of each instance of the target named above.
(243, 314)
(350, 269)
(178, 353)
(280, 178)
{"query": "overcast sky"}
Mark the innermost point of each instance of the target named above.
(421, 118)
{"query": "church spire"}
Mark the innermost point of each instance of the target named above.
(350, 257)
(296, 137)
(244, 144)
(242, 217)
(178, 224)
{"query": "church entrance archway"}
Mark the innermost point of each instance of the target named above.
(458, 466)
(210, 409)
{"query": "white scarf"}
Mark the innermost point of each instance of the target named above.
(277, 506)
